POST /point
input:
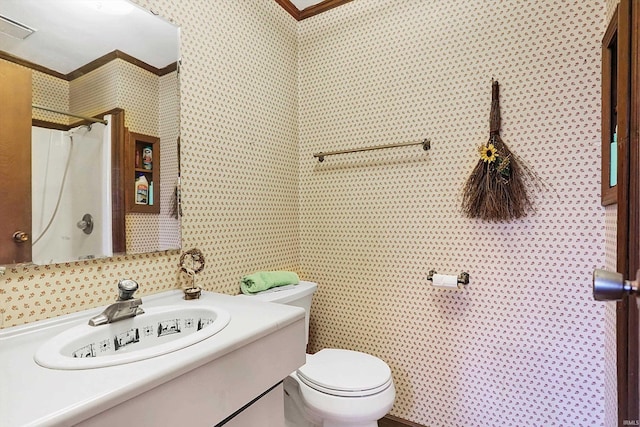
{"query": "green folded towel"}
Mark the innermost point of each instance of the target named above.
(264, 280)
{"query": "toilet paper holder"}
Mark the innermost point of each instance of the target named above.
(463, 278)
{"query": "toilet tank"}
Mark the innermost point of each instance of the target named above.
(298, 295)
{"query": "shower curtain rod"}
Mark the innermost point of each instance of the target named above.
(91, 119)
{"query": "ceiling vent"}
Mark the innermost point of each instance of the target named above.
(14, 29)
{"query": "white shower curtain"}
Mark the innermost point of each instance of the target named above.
(86, 190)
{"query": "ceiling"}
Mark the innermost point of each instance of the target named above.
(72, 33)
(303, 4)
(303, 9)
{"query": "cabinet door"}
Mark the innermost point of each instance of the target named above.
(15, 163)
(268, 411)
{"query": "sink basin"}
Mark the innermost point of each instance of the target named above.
(160, 330)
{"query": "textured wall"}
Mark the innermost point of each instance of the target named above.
(123, 85)
(610, 366)
(524, 344)
(97, 91)
(168, 131)
(120, 84)
(240, 159)
(50, 92)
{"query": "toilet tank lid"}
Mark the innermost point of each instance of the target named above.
(284, 294)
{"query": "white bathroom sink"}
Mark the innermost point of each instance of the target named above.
(158, 331)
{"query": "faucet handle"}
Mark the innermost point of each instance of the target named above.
(126, 288)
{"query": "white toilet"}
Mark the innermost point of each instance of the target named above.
(335, 388)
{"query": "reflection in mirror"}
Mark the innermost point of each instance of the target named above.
(71, 203)
(107, 60)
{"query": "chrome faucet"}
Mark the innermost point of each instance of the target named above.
(125, 308)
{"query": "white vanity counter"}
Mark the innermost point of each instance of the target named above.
(199, 385)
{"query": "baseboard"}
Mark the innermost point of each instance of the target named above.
(393, 421)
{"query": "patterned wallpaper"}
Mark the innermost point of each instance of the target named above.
(239, 136)
(121, 84)
(240, 165)
(524, 344)
(50, 92)
(610, 357)
(168, 131)
(97, 91)
(610, 366)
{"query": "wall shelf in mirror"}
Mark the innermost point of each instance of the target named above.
(609, 113)
(143, 173)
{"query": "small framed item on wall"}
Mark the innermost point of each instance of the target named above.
(143, 173)
(609, 127)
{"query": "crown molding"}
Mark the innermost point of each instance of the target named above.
(299, 15)
(95, 64)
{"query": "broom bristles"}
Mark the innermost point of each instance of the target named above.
(489, 196)
(498, 193)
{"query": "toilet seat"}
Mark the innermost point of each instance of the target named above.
(345, 373)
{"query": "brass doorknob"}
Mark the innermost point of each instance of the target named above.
(20, 237)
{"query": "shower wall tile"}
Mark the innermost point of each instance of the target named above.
(240, 165)
(524, 344)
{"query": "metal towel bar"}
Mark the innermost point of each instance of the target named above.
(426, 145)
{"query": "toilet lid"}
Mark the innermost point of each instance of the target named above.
(345, 373)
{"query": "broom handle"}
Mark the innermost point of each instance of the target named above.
(494, 117)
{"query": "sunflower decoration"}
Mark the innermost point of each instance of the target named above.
(494, 159)
(488, 153)
(496, 189)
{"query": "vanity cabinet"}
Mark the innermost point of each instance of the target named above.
(267, 411)
(143, 159)
(233, 378)
(236, 389)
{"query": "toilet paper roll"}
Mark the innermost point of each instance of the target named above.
(445, 281)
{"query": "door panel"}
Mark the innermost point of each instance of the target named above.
(15, 162)
(631, 164)
(628, 220)
(628, 246)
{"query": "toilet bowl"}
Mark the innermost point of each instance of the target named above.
(340, 388)
(334, 388)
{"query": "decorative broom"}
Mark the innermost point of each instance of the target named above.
(496, 189)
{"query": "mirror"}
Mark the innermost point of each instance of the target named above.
(116, 62)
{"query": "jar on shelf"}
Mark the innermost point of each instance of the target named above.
(147, 158)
